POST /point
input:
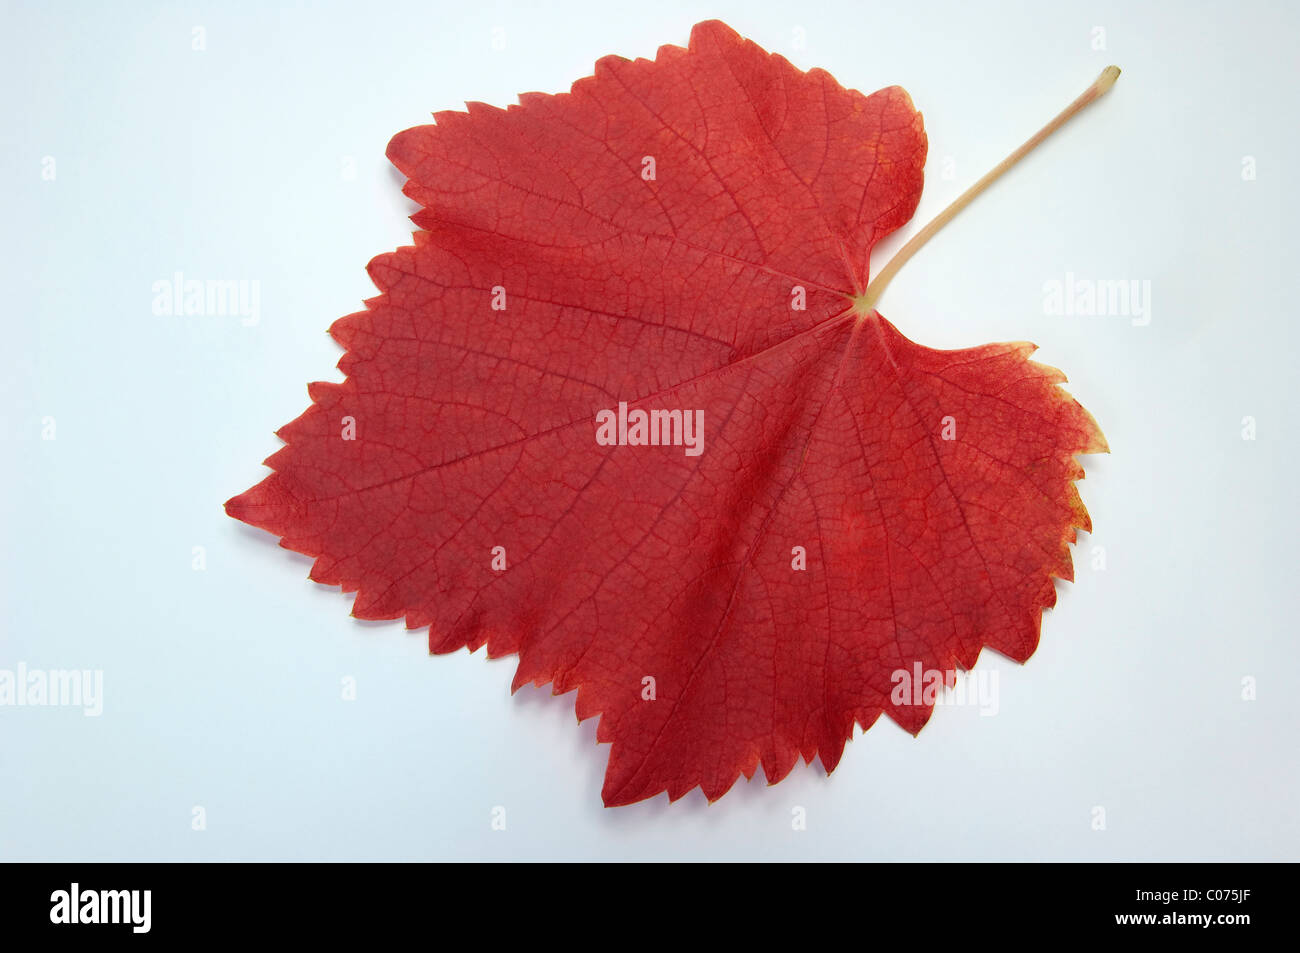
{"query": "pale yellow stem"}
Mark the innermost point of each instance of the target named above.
(865, 303)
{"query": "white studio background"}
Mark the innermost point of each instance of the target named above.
(260, 157)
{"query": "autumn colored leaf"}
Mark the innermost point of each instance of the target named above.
(626, 410)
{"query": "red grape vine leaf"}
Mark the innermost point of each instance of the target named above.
(615, 412)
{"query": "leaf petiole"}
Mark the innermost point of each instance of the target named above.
(865, 303)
